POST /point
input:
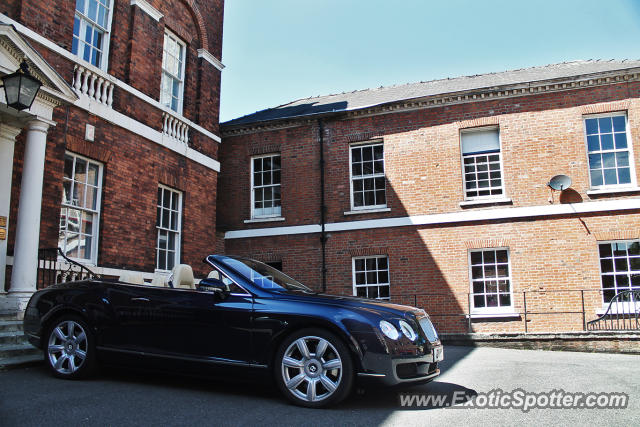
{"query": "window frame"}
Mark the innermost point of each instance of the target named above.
(96, 213)
(183, 44)
(632, 169)
(503, 187)
(353, 276)
(252, 186)
(504, 309)
(178, 231)
(373, 176)
(605, 304)
(106, 42)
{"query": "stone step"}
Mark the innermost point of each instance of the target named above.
(10, 325)
(20, 361)
(16, 350)
(8, 315)
(13, 337)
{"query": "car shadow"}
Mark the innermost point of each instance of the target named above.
(366, 395)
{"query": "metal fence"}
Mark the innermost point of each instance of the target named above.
(557, 310)
(54, 267)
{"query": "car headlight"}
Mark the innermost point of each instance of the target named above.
(389, 330)
(408, 331)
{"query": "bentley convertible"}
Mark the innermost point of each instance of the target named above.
(244, 316)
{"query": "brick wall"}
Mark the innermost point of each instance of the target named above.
(541, 135)
(133, 167)
(135, 52)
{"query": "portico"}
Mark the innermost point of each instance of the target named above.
(34, 123)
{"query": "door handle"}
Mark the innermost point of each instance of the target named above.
(140, 299)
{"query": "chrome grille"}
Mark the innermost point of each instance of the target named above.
(428, 329)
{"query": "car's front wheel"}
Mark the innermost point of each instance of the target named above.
(69, 348)
(314, 368)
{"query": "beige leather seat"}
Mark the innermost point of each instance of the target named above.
(182, 277)
(160, 280)
(132, 277)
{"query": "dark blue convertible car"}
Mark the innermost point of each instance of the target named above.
(244, 316)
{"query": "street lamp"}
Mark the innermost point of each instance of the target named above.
(20, 88)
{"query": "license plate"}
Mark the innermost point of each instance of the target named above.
(438, 354)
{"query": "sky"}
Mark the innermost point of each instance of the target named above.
(278, 51)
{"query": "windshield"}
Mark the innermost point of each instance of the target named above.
(263, 275)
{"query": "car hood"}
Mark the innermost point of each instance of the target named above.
(348, 302)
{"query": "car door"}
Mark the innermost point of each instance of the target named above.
(204, 325)
(180, 323)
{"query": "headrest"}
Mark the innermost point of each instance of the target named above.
(182, 277)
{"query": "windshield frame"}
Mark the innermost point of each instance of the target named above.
(281, 283)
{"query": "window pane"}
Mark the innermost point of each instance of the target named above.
(610, 177)
(592, 126)
(619, 123)
(605, 124)
(624, 176)
(596, 178)
(606, 141)
(480, 141)
(476, 258)
(593, 142)
(621, 140)
(606, 265)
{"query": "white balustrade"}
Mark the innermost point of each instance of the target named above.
(175, 128)
(86, 82)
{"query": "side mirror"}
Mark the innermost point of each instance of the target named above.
(214, 285)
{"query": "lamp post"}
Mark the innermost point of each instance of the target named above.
(20, 88)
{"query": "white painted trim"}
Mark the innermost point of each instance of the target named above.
(135, 92)
(367, 211)
(487, 201)
(267, 219)
(491, 315)
(208, 56)
(613, 191)
(444, 218)
(148, 9)
(134, 126)
(273, 231)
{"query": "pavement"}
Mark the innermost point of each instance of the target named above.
(32, 397)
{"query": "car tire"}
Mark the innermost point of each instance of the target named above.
(313, 368)
(69, 348)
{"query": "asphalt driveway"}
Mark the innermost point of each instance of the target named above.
(31, 397)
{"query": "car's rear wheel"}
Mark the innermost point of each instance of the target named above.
(69, 349)
(314, 368)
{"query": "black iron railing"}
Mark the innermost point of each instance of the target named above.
(623, 313)
(533, 310)
(55, 267)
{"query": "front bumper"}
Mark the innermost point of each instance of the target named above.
(393, 369)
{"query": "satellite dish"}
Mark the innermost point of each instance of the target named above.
(560, 182)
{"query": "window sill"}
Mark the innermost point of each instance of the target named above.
(613, 191)
(268, 219)
(501, 200)
(492, 315)
(367, 211)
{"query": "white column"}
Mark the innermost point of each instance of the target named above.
(25, 263)
(7, 142)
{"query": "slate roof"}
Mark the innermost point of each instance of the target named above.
(383, 95)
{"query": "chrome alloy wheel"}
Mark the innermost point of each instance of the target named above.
(311, 368)
(67, 348)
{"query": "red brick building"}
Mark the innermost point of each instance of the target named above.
(116, 161)
(435, 194)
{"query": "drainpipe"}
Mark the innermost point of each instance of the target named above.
(323, 208)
